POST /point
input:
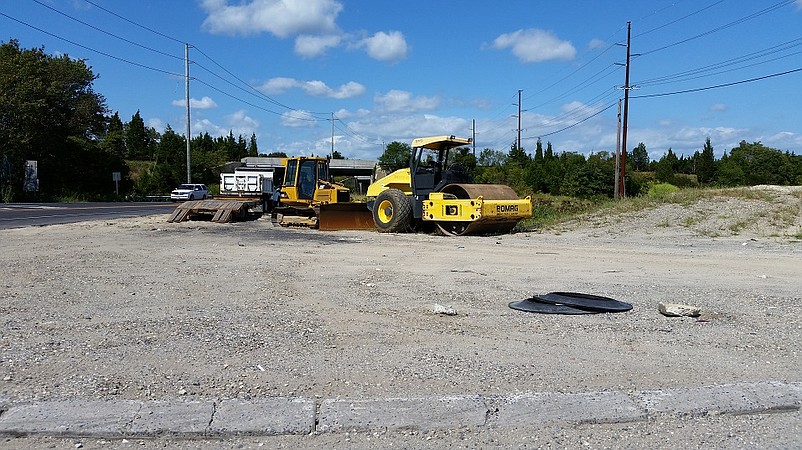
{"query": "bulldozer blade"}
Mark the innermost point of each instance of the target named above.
(345, 216)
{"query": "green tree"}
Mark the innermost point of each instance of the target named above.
(706, 164)
(396, 156)
(489, 157)
(170, 168)
(665, 167)
(538, 150)
(337, 155)
(517, 156)
(640, 158)
(253, 148)
(49, 112)
(761, 165)
(114, 139)
(137, 139)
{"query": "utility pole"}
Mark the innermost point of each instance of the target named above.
(617, 152)
(473, 136)
(189, 127)
(519, 118)
(332, 135)
(622, 186)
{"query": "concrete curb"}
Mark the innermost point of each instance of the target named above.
(292, 415)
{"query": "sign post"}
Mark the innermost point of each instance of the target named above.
(115, 176)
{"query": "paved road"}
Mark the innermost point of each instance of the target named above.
(18, 215)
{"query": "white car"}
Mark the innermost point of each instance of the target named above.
(190, 192)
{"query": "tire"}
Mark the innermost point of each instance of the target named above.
(392, 212)
(190, 198)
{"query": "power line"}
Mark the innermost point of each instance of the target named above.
(107, 32)
(707, 88)
(260, 93)
(134, 23)
(730, 62)
(577, 123)
(133, 63)
(216, 89)
(679, 19)
(723, 27)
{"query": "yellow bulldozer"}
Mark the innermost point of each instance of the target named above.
(435, 190)
(309, 197)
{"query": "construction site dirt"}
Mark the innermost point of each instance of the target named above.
(143, 309)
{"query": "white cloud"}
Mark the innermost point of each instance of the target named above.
(596, 43)
(799, 4)
(535, 45)
(241, 124)
(718, 107)
(390, 47)
(310, 46)
(278, 85)
(207, 126)
(282, 18)
(157, 124)
(395, 100)
(298, 119)
(204, 103)
(315, 88)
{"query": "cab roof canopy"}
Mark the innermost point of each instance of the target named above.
(438, 142)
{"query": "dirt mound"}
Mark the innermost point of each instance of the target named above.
(759, 211)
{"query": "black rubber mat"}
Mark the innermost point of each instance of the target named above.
(570, 303)
(532, 305)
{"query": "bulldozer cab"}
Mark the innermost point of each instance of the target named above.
(307, 182)
(429, 164)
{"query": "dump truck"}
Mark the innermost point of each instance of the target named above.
(309, 197)
(248, 184)
(435, 190)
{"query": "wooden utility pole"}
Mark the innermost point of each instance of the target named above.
(622, 186)
(332, 135)
(189, 126)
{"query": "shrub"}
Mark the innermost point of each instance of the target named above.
(661, 190)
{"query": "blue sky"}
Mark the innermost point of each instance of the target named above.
(395, 70)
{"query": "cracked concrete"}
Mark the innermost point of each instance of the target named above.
(297, 416)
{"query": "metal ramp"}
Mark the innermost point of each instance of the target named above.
(222, 211)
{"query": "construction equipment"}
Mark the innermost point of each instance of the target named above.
(434, 190)
(308, 197)
(248, 183)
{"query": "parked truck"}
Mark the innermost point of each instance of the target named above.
(250, 184)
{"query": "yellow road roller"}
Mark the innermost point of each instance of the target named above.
(433, 190)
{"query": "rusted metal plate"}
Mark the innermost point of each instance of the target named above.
(345, 216)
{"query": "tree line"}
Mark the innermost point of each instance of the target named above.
(576, 175)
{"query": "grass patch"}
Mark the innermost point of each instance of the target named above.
(662, 190)
(691, 221)
(785, 216)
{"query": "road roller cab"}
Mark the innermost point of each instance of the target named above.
(434, 190)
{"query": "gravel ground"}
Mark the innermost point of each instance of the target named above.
(145, 309)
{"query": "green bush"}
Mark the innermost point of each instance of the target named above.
(662, 190)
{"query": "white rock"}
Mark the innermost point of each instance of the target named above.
(678, 310)
(445, 310)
